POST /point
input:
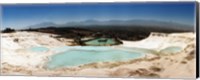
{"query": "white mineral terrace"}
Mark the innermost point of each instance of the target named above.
(17, 60)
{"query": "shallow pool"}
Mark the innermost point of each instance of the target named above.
(97, 42)
(172, 49)
(38, 49)
(78, 55)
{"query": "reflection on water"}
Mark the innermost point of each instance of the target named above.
(101, 42)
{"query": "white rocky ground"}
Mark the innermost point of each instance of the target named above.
(14, 52)
(15, 60)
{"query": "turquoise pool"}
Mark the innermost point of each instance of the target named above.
(68, 56)
(38, 49)
(172, 49)
(96, 42)
(77, 55)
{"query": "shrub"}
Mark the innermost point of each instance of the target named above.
(8, 30)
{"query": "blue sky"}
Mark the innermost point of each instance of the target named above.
(18, 16)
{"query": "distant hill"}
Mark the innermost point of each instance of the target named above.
(125, 30)
(129, 25)
(42, 25)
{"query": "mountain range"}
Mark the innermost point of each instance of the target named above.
(122, 24)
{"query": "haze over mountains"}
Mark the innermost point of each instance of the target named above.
(119, 24)
(125, 30)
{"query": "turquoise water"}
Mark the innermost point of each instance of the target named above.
(38, 49)
(78, 55)
(96, 42)
(69, 56)
(173, 49)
